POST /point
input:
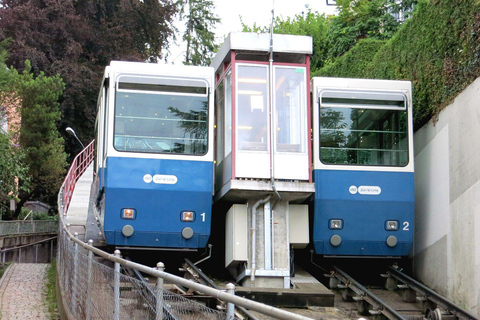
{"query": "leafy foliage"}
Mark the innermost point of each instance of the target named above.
(39, 137)
(199, 35)
(12, 169)
(312, 24)
(12, 158)
(352, 64)
(360, 19)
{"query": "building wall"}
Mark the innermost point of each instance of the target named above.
(447, 195)
(11, 107)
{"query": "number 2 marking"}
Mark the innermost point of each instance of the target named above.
(203, 217)
(406, 224)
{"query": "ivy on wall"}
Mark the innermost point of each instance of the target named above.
(438, 49)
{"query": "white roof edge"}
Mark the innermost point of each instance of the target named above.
(251, 41)
(146, 68)
(359, 84)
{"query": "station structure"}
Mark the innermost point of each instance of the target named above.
(263, 169)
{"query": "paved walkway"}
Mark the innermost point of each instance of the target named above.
(22, 292)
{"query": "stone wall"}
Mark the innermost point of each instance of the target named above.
(447, 195)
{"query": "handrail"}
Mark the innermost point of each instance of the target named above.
(79, 165)
(2, 250)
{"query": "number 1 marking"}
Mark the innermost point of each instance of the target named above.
(406, 224)
(203, 217)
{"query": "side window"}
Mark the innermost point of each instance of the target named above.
(219, 105)
(228, 113)
(106, 114)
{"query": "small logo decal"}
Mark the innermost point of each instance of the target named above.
(164, 179)
(147, 178)
(370, 190)
(353, 189)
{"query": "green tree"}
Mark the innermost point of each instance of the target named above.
(39, 137)
(312, 24)
(12, 170)
(199, 35)
(360, 19)
(12, 166)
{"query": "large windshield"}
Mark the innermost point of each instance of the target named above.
(161, 116)
(363, 130)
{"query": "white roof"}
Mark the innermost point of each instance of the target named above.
(261, 42)
(159, 69)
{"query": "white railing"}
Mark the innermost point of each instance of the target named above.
(91, 290)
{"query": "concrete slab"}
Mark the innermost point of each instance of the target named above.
(316, 295)
(237, 190)
(78, 209)
(306, 292)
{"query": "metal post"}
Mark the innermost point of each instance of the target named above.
(230, 306)
(117, 287)
(267, 223)
(64, 261)
(36, 253)
(19, 255)
(75, 277)
(89, 281)
(159, 305)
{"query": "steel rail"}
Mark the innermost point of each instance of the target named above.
(366, 295)
(431, 295)
(166, 309)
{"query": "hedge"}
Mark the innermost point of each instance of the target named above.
(438, 49)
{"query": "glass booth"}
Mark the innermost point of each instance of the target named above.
(263, 108)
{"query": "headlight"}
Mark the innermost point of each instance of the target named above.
(391, 225)
(187, 216)
(335, 224)
(129, 213)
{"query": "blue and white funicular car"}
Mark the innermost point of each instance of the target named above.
(154, 155)
(363, 167)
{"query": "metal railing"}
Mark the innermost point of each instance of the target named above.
(8, 228)
(94, 290)
(18, 249)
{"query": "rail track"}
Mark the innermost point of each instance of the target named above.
(402, 298)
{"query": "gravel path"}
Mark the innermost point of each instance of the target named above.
(22, 292)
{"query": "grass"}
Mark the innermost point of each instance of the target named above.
(51, 291)
(3, 268)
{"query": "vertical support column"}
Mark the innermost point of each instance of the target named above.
(117, 287)
(89, 282)
(51, 250)
(20, 255)
(230, 306)
(267, 224)
(159, 304)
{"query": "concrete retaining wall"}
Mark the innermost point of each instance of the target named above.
(447, 195)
